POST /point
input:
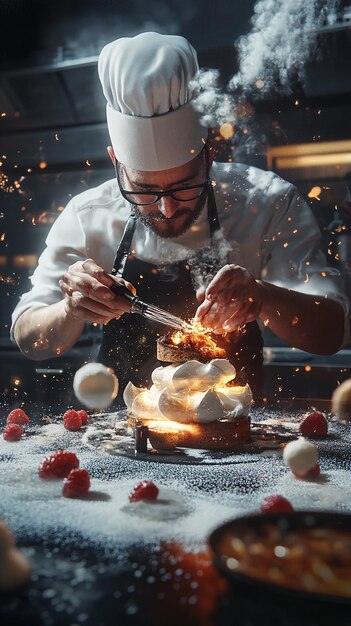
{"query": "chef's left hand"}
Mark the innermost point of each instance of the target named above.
(232, 299)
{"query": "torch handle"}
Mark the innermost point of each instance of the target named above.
(123, 292)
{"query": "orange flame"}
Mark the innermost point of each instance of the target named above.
(198, 339)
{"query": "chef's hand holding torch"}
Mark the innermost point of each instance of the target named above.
(88, 296)
(232, 298)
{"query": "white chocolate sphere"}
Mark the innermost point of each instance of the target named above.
(95, 385)
(341, 401)
(300, 455)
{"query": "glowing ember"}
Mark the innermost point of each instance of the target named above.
(315, 193)
(227, 130)
(197, 339)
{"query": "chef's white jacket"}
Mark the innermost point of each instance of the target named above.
(271, 229)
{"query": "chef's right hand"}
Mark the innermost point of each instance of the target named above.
(88, 297)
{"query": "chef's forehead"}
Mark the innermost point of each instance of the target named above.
(181, 173)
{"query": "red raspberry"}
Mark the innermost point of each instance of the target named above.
(58, 465)
(76, 484)
(276, 504)
(13, 432)
(145, 490)
(83, 416)
(314, 425)
(71, 420)
(17, 416)
(314, 472)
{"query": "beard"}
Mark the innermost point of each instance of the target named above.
(170, 227)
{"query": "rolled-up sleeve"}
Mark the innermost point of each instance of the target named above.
(65, 245)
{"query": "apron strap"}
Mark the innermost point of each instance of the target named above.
(212, 212)
(124, 247)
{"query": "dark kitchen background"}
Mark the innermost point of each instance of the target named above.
(54, 138)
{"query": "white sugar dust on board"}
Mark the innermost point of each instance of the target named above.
(195, 498)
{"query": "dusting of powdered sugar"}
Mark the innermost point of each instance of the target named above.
(196, 497)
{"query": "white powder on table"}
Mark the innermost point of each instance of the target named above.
(206, 496)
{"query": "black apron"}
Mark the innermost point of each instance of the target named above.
(129, 343)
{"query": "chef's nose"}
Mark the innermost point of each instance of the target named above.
(168, 206)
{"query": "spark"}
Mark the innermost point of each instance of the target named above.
(4, 183)
(308, 368)
(57, 137)
(285, 245)
(314, 193)
(323, 274)
(295, 320)
(43, 165)
(88, 162)
(7, 280)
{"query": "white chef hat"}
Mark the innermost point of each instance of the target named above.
(152, 122)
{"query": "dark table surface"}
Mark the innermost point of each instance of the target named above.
(97, 562)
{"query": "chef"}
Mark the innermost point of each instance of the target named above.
(233, 245)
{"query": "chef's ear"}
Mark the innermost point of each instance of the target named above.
(111, 154)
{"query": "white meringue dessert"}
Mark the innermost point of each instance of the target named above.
(190, 394)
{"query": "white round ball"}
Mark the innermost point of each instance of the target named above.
(95, 385)
(341, 401)
(300, 455)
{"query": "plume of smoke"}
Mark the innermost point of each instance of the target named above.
(283, 36)
(210, 99)
(86, 32)
(206, 262)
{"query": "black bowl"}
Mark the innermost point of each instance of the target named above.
(255, 525)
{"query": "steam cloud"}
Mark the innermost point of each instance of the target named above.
(86, 33)
(206, 263)
(283, 36)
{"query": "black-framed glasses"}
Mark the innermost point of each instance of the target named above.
(180, 194)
